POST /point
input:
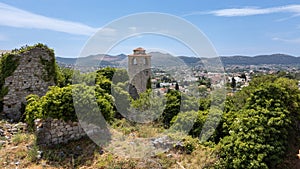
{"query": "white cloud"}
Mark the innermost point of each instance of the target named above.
(14, 17)
(249, 11)
(294, 40)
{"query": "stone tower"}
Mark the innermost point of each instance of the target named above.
(139, 69)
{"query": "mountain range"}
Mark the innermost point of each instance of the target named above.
(163, 59)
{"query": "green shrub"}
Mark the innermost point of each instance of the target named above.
(58, 103)
(173, 102)
(258, 134)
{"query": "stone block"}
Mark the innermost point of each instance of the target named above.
(54, 140)
(75, 128)
(59, 134)
(48, 137)
(53, 132)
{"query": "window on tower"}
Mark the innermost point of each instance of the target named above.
(134, 62)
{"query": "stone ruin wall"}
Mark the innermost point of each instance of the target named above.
(26, 79)
(50, 132)
(53, 131)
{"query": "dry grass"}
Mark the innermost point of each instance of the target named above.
(15, 154)
(148, 131)
(85, 154)
(202, 157)
(21, 138)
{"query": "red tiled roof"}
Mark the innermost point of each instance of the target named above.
(139, 48)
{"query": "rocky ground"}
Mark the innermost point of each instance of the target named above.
(8, 130)
(18, 149)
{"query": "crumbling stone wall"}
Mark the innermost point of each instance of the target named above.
(28, 78)
(53, 131)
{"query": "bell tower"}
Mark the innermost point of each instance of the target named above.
(139, 69)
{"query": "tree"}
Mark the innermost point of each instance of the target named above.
(233, 83)
(204, 104)
(121, 98)
(204, 81)
(149, 85)
(107, 72)
(243, 75)
(120, 76)
(172, 107)
(184, 122)
(203, 91)
(188, 103)
(107, 76)
(147, 108)
(104, 83)
(158, 85)
(67, 75)
(176, 86)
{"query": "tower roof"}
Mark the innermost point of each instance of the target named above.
(139, 52)
(139, 48)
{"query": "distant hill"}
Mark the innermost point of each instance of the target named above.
(164, 59)
(190, 60)
(93, 60)
(66, 60)
(261, 59)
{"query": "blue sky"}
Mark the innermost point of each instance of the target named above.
(233, 27)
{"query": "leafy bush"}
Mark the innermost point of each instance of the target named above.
(147, 108)
(258, 133)
(121, 99)
(172, 107)
(58, 103)
(107, 76)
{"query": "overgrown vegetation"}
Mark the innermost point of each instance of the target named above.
(58, 103)
(51, 70)
(255, 130)
(253, 133)
(256, 136)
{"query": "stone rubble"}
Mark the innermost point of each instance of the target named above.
(166, 143)
(7, 130)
